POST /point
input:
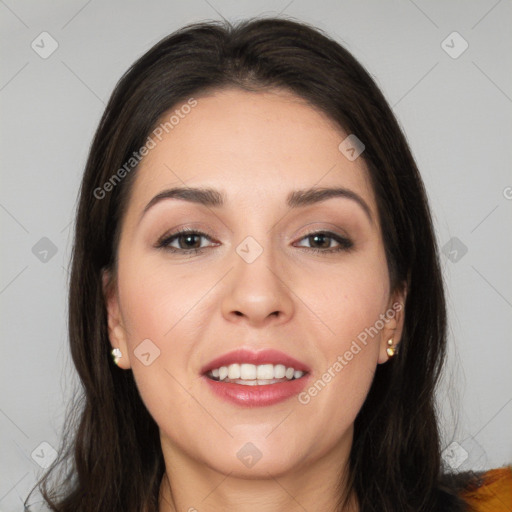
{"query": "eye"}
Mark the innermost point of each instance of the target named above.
(187, 241)
(324, 239)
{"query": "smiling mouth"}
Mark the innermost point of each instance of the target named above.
(247, 374)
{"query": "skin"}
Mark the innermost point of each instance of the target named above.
(256, 148)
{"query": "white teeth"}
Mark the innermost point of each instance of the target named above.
(247, 382)
(247, 371)
(279, 371)
(265, 371)
(256, 382)
(256, 374)
(234, 371)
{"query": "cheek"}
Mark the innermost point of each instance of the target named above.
(347, 298)
(156, 307)
(349, 303)
(153, 299)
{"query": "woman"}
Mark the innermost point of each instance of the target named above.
(254, 245)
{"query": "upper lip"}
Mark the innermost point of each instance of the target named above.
(266, 356)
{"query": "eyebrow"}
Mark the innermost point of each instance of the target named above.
(212, 198)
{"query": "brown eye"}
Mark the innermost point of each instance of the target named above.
(187, 241)
(190, 241)
(321, 241)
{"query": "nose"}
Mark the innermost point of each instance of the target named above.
(258, 293)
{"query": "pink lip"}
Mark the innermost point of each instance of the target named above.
(260, 395)
(254, 396)
(267, 356)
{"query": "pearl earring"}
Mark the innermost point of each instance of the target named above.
(390, 350)
(116, 355)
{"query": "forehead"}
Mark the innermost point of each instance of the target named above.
(255, 146)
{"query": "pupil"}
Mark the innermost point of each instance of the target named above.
(322, 238)
(188, 239)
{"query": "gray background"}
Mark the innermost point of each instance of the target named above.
(455, 109)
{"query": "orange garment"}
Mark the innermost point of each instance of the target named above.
(494, 492)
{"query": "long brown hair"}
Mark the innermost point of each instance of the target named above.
(110, 458)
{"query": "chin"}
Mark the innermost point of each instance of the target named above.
(264, 468)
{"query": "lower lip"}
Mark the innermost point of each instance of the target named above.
(256, 396)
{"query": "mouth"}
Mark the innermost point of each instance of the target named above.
(249, 378)
(247, 374)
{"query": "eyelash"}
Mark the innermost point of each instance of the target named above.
(163, 243)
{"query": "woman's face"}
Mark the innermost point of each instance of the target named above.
(261, 280)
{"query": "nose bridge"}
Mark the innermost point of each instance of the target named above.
(257, 291)
(256, 261)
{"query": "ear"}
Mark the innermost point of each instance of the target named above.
(393, 323)
(116, 330)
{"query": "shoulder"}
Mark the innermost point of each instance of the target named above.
(487, 491)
